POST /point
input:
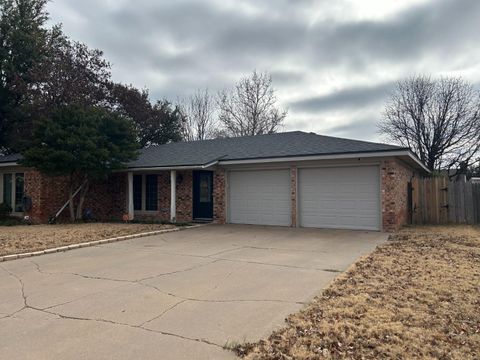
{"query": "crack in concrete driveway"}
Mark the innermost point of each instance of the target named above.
(183, 295)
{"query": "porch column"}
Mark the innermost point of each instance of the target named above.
(173, 196)
(130, 196)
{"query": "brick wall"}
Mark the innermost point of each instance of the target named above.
(184, 192)
(106, 198)
(394, 184)
(48, 194)
(184, 203)
(219, 195)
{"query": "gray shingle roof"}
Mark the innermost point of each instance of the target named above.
(10, 158)
(296, 143)
(287, 144)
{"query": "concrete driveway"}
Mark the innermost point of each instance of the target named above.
(181, 295)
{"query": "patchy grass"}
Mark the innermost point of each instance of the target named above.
(19, 239)
(237, 346)
(417, 296)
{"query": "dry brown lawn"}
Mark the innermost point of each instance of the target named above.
(416, 297)
(19, 239)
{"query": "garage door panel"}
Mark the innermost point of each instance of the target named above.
(260, 197)
(343, 197)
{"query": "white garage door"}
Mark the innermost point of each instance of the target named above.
(259, 197)
(342, 197)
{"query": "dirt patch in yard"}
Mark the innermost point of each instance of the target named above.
(19, 239)
(418, 296)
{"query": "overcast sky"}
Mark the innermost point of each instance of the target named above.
(333, 62)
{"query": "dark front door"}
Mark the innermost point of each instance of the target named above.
(202, 195)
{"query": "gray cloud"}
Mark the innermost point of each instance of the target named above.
(363, 128)
(433, 29)
(349, 98)
(175, 47)
(285, 77)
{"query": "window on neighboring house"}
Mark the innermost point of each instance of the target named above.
(12, 190)
(145, 192)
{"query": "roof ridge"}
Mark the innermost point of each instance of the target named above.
(275, 134)
(228, 138)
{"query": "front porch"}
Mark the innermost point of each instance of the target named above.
(176, 195)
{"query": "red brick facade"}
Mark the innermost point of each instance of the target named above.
(394, 184)
(219, 196)
(47, 194)
(184, 204)
(108, 199)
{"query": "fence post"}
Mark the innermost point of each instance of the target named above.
(476, 202)
(444, 200)
(452, 205)
(469, 216)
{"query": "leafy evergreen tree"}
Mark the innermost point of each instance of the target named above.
(23, 45)
(156, 124)
(41, 70)
(82, 144)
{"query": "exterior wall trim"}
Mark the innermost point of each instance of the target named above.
(9, 164)
(407, 153)
(166, 168)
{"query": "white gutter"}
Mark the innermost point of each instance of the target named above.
(5, 164)
(164, 168)
(327, 157)
(159, 168)
(418, 161)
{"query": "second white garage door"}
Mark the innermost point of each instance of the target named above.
(259, 197)
(340, 197)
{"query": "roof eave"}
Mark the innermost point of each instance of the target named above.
(399, 152)
(10, 163)
(418, 161)
(173, 167)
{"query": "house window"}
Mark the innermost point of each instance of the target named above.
(205, 189)
(145, 192)
(151, 193)
(12, 190)
(137, 192)
(7, 189)
(19, 192)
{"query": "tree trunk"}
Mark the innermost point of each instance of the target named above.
(81, 200)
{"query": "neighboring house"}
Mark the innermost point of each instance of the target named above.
(289, 179)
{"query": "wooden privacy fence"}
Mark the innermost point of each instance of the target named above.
(440, 200)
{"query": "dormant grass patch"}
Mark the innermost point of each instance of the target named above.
(416, 297)
(20, 239)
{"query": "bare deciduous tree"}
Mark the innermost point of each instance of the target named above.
(439, 119)
(199, 112)
(250, 107)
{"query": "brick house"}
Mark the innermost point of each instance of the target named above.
(287, 179)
